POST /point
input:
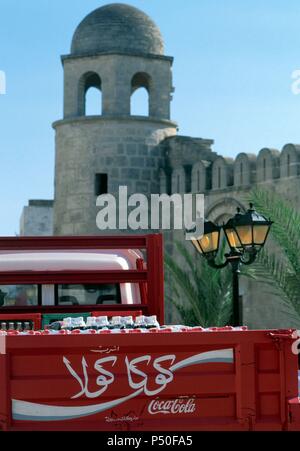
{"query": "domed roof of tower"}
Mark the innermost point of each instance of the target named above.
(117, 28)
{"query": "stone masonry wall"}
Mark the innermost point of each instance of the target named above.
(127, 149)
(37, 219)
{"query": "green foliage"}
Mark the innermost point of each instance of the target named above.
(280, 270)
(201, 294)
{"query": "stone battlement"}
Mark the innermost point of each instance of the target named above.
(191, 166)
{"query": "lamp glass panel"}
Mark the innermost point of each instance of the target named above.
(196, 244)
(260, 233)
(232, 238)
(245, 234)
(209, 242)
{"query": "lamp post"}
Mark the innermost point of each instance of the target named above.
(246, 234)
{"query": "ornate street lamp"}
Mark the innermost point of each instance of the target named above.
(246, 234)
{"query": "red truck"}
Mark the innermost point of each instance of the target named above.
(162, 378)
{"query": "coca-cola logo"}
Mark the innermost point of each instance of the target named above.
(147, 376)
(172, 406)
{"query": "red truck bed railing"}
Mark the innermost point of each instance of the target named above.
(150, 276)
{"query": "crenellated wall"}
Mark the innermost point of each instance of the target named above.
(191, 166)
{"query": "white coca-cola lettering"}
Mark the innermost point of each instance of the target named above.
(173, 406)
(104, 380)
(162, 368)
(133, 370)
(163, 378)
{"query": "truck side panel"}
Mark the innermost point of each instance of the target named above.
(164, 381)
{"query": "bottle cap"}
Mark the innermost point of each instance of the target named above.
(151, 321)
(116, 321)
(27, 325)
(66, 323)
(102, 321)
(127, 321)
(140, 321)
(91, 322)
(77, 323)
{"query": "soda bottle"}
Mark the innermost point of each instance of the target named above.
(180, 328)
(78, 323)
(91, 323)
(19, 327)
(116, 322)
(11, 326)
(102, 323)
(56, 325)
(151, 322)
(46, 331)
(127, 322)
(27, 326)
(140, 322)
(4, 327)
(76, 331)
(66, 324)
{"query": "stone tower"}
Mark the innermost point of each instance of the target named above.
(116, 49)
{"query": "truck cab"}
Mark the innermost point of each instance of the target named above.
(80, 274)
(68, 294)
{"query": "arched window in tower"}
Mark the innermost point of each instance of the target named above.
(140, 94)
(264, 169)
(241, 174)
(90, 95)
(219, 177)
(93, 102)
(288, 162)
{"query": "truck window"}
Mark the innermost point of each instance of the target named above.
(19, 295)
(103, 294)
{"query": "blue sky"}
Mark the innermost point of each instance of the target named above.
(232, 73)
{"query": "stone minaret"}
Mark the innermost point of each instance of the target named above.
(116, 49)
